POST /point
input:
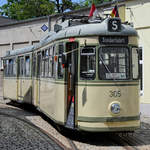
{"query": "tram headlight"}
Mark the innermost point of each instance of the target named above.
(115, 108)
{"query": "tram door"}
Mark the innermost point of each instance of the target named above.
(71, 79)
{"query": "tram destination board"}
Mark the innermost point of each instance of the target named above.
(113, 40)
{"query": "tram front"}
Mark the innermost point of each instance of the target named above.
(108, 85)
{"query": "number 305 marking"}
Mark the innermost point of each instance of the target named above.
(115, 93)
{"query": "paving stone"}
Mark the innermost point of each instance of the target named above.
(19, 135)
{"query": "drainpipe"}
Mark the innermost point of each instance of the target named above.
(49, 23)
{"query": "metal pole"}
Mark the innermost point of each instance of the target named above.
(49, 23)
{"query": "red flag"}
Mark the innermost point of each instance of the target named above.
(93, 8)
(114, 12)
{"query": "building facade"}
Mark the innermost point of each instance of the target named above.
(16, 35)
(137, 11)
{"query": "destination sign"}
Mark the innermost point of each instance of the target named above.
(113, 40)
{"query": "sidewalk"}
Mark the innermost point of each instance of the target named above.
(145, 109)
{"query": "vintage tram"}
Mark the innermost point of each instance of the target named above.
(84, 76)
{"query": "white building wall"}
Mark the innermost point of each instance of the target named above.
(22, 33)
(138, 11)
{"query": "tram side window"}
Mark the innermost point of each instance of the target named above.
(14, 67)
(27, 66)
(5, 68)
(10, 67)
(51, 62)
(34, 65)
(60, 67)
(46, 62)
(43, 64)
(38, 65)
(6, 62)
(21, 66)
(135, 63)
(88, 63)
(54, 62)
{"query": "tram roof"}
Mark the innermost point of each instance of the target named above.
(93, 29)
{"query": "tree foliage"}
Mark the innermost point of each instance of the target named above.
(65, 5)
(88, 3)
(24, 9)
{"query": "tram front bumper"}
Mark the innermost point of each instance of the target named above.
(112, 126)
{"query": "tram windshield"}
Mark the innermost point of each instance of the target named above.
(114, 63)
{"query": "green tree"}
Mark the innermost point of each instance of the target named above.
(24, 9)
(65, 5)
(88, 3)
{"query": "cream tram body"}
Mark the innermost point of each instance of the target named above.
(84, 69)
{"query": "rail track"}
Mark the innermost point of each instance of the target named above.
(128, 141)
(43, 131)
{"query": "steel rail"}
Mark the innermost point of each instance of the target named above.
(127, 142)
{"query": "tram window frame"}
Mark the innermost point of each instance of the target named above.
(27, 69)
(10, 64)
(89, 74)
(60, 69)
(105, 72)
(138, 65)
(6, 67)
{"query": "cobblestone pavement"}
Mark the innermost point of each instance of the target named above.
(18, 135)
(35, 119)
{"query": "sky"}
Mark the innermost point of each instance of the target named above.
(2, 2)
